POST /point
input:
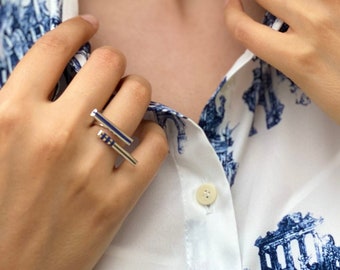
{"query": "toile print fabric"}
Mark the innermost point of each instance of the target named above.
(25, 23)
(272, 155)
(299, 233)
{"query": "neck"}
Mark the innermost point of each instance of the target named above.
(182, 47)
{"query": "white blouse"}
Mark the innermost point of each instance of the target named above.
(254, 186)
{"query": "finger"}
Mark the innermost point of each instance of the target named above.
(38, 72)
(151, 152)
(297, 14)
(263, 41)
(126, 111)
(94, 84)
(128, 107)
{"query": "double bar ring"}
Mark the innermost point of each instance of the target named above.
(104, 122)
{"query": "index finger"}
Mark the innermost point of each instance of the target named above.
(38, 72)
(263, 41)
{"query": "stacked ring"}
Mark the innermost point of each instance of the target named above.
(104, 122)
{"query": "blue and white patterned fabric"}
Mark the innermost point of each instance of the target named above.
(272, 155)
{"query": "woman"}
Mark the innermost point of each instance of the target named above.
(251, 157)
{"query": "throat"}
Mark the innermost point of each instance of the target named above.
(181, 47)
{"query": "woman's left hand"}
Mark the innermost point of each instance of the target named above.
(308, 53)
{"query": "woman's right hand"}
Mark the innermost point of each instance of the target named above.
(61, 198)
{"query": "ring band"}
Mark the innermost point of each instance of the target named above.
(110, 126)
(104, 122)
(121, 151)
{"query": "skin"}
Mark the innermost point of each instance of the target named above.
(61, 199)
(174, 38)
(59, 187)
(308, 53)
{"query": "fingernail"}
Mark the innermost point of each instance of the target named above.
(91, 19)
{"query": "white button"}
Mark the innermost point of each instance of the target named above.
(206, 194)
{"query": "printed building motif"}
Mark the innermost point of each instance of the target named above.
(296, 244)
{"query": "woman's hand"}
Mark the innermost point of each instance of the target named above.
(308, 53)
(61, 199)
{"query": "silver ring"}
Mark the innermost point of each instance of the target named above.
(120, 150)
(110, 126)
(104, 122)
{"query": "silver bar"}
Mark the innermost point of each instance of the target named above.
(120, 150)
(110, 126)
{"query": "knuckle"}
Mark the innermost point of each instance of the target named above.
(109, 56)
(321, 24)
(305, 57)
(139, 88)
(306, 62)
(111, 208)
(319, 21)
(81, 183)
(11, 117)
(240, 31)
